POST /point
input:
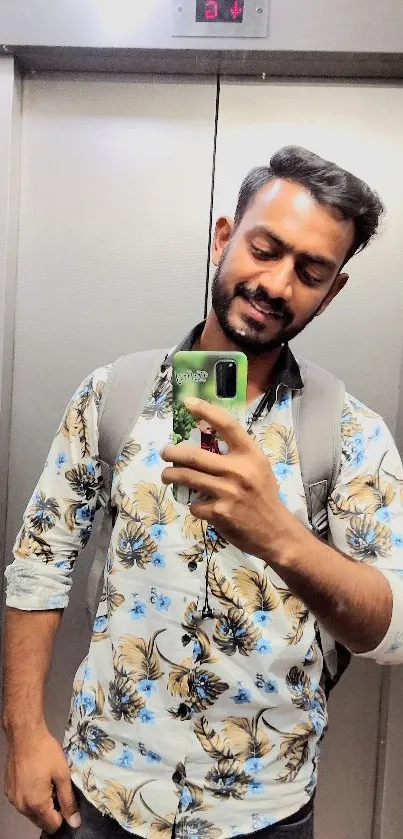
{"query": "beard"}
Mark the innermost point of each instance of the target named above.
(250, 337)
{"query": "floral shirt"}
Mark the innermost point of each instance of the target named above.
(208, 727)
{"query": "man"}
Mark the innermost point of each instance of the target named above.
(207, 723)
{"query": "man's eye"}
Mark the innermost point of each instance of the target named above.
(259, 253)
(308, 279)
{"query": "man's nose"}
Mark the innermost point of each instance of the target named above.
(278, 278)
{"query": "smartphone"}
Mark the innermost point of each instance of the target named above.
(217, 377)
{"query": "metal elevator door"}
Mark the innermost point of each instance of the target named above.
(359, 338)
(114, 224)
(113, 246)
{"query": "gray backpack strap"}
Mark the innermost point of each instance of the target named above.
(317, 410)
(129, 385)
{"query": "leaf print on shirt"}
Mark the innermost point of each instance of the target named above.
(246, 738)
(236, 632)
(159, 403)
(308, 697)
(193, 528)
(213, 744)
(350, 426)
(368, 539)
(191, 799)
(221, 587)
(193, 556)
(79, 515)
(140, 657)
(281, 445)
(75, 421)
(200, 688)
(43, 513)
(202, 532)
(93, 793)
(154, 504)
(226, 779)
(28, 544)
(190, 795)
(135, 546)
(204, 689)
(352, 438)
(366, 494)
(111, 597)
(161, 826)
(196, 828)
(124, 700)
(256, 592)
(87, 700)
(311, 656)
(91, 740)
(120, 803)
(297, 611)
(207, 542)
(83, 480)
(128, 453)
(295, 749)
(202, 653)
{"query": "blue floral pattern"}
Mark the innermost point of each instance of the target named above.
(234, 700)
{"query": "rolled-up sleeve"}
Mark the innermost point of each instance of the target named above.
(366, 511)
(57, 522)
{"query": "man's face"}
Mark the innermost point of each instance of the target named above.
(279, 268)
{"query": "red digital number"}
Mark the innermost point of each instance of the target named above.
(236, 10)
(211, 10)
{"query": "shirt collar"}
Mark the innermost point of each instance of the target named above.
(287, 370)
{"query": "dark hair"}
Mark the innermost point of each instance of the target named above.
(328, 183)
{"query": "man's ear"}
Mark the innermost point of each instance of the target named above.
(338, 284)
(224, 229)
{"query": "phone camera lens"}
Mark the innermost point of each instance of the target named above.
(226, 379)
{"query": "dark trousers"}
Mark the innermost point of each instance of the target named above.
(96, 826)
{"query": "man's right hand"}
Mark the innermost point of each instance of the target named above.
(36, 768)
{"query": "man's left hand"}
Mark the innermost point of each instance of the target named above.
(239, 491)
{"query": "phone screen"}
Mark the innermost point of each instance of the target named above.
(218, 378)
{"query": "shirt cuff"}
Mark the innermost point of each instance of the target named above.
(33, 586)
(390, 650)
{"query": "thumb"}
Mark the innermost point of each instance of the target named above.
(68, 802)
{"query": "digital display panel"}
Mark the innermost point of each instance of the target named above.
(219, 11)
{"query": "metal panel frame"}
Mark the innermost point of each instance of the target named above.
(254, 24)
(11, 122)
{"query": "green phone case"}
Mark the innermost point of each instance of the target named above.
(194, 374)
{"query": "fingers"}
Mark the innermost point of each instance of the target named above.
(226, 425)
(190, 478)
(67, 800)
(203, 510)
(44, 816)
(192, 458)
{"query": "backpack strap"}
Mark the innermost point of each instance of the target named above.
(129, 384)
(317, 411)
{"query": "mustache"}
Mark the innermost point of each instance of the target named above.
(260, 295)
